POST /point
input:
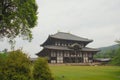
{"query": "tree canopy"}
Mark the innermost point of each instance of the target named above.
(15, 66)
(41, 70)
(17, 17)
(116, 58)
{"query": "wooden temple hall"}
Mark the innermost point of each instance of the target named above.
(67, 48)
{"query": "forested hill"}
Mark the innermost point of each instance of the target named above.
(112, 47)
(107, 52)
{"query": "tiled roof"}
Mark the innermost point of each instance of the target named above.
(67, 48)
(57, 47)
(68, 36)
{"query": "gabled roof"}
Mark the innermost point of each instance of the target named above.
(68, 36)
(56, 47)
(66, 48)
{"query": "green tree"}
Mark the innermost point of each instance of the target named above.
(116, 59)
(16, 66)
(2, 65)
(41, 70)
(17, 17)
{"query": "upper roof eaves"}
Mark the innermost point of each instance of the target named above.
(68, 36)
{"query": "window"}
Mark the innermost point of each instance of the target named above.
(53, 61)
(85, 55)
(80, 54)
(85, 59)
(66, 54)
(69, 44)
(62, 44)
(53, 54)
(59, 53)
(65, 45)
(90, 55)
(56, 43)
(59, 59)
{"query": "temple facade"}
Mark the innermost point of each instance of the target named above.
(67, 48)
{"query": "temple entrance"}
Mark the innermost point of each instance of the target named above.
(76, 60)
(73, 60)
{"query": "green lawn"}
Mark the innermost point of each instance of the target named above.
(85, 72)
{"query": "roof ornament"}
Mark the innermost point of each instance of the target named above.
(76, 46)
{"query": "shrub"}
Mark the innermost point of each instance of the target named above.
(15, 67)
(41, 70)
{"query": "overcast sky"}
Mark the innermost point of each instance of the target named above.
(94, 19)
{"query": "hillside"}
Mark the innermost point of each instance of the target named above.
(112, 47)
(107, 52)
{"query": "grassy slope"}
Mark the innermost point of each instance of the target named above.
(86, 72)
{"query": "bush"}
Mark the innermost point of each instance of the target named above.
(16, 66)
(41, 70)
(2, 64)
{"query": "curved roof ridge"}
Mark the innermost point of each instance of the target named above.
(67, 48)
(69, 36)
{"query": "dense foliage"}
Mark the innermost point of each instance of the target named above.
(113, 54)
(106, 54)
(3, 55)
(17, 17)
(41, 70)
(116, 59)
(16, 66)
